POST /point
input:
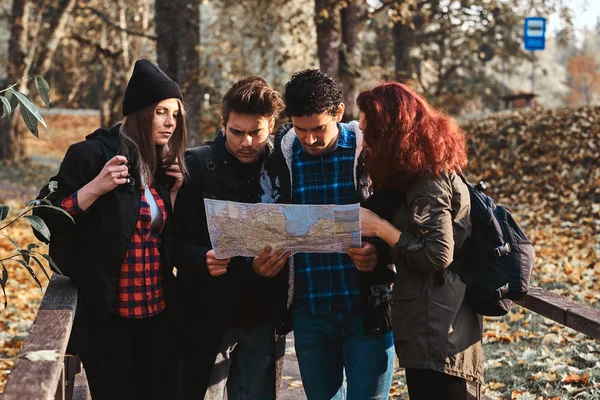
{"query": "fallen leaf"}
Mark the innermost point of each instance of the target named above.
(495, 385)
(42, 355)
(575, 378)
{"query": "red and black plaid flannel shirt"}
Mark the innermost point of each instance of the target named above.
(140, 283)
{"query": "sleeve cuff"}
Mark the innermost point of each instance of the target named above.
(409, 242)
(71, 205)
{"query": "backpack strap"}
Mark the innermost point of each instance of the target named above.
(203, 155)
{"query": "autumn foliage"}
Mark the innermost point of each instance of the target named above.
(583, 79)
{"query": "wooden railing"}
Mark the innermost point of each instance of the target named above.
(563, 310)
(62, 379)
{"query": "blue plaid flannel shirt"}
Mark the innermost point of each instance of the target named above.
(325, 283)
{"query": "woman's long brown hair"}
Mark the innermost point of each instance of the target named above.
(407, 138)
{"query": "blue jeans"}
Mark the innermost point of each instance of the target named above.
(245, 365)
(329, 345)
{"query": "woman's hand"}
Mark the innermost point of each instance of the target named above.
(372, 225)
(114, 173)
(174, 170)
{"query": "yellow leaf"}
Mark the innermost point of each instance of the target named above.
(495, 385)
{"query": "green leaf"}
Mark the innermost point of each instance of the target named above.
(53, 266)
(36, 202)
(31, 272)
(4, 212)
(32, 246)
(30, 121)
(26, 256)
(12, 100)
(13, 242)
(6, 108)
(43, 89)
(39, 225)
(57, 209)
(4, 274)
(3, 283)
(41, 266)
(26, 102)
(29, 111)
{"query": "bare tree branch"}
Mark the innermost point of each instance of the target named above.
(103, 50)
(444, 77)
(109, 22)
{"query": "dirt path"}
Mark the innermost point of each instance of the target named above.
(291, 388)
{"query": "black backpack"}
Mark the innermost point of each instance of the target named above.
(497, 262)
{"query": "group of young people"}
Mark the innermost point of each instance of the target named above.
(159, 316)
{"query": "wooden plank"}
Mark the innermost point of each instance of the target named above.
(60, 388)
(563, 310)
(72, 369)
(81, 390)
(38, 380)
(60, 295)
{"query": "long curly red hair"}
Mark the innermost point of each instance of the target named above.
(407, 138)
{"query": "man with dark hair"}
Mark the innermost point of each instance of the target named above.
(338, 304)
(227, 309)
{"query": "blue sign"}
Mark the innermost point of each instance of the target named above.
(535, 33)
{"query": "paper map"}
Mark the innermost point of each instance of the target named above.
(242, 229)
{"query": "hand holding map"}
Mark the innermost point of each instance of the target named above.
(365, 257)
(216, 266)
(270, 265)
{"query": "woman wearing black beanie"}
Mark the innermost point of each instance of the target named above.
(120, 185)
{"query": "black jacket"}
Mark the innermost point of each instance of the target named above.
(209, 305)
(91, 251)
(375, 286)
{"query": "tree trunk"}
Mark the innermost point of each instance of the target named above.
(188, 67)
(104, 94)
(404, 41)
(12, 145)
(328, 36)
(178, 52)
(350, 55)
(166, 34)
(58, 34)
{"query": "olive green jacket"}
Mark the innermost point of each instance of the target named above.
(434, 327)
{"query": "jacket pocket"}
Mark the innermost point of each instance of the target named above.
(445, 300)
(407, 298)
(405, 313)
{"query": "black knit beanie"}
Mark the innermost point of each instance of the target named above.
(148, 85)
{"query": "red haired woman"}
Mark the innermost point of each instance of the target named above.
(422, 210)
